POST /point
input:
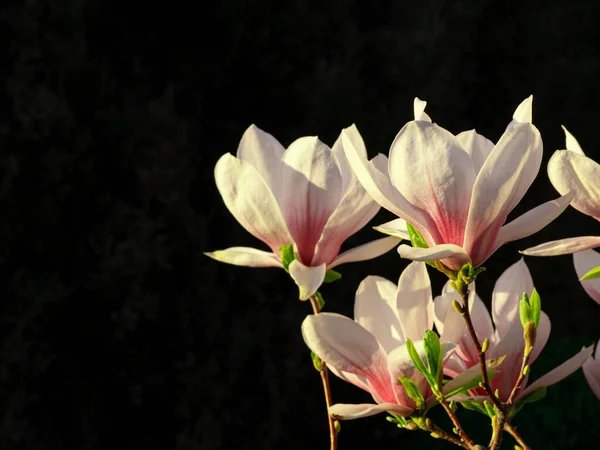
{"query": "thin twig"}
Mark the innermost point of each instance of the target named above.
(513, 432)
(520, 379)
(432, 428)
(456, 424)
(325, 380)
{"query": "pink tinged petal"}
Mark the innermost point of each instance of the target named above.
(572, 172)
(344, 344)
(309, 279)
(311, 191)
(511, 345)
(373, 176)
(532, 221)
(451, 255)
(343, 411)
(463, 378)
(541, 338)
(591, 370)
(477, 147)
(571, 143)
(251, 202)
(245, 256)
(560, 372)
(482, 321)
(419, 110)
(348, 175)
(584, 262)
(400, 365)
(414, 301)
(396, 227)
(350, 378)
(375, 308)
(507, 294)
(563, 246)
(523, 113)
(366, 251)
(264, 153)
(448, 322)
(354, 211)
(430, 169)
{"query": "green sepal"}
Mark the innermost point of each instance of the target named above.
(413, 392)
(287, 256)
(535, 302)
(316, 361)
(594, 273)
(331, 276)
(536, 395)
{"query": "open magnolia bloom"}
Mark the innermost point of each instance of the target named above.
(370, 351)
(505, 339)
(306, 196)
(591, 370)
(570, 171)
(457, 191)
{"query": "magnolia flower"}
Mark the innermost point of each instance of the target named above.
(591, 370)
(506, 339)
(584, 262)
(457, 191)
(370, 351)
(570, 171)
(306, 196)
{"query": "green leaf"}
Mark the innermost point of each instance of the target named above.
(316, 361)
(434, 354)
(331, 276)
(287, 256)
(413, 392)
(417, 240)
(489, 410)
(418, 362)
(474, 406)
(525, 311)
(535, 302)
(594, 273)
(320, 300)
(536, 395)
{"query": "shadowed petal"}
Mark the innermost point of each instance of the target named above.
(563, 246)
(396, 227)
(366, 251)
(584, 262)
(245, 256)
(414, 301)
(400, 365)
(309, 279)
(478, 147)
(542, 335)
(591, 370)
(449, 322)
(342, 411)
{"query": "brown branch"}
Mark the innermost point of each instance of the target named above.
(466, 439)
(513, 432)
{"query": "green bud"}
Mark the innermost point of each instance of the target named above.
(435, 435)
(526, 370)
(457, 307)
(455, 431)
(485, 345)
(317, 363)
(337, 426)
(410, 425)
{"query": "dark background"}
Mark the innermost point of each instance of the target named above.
(116, 331)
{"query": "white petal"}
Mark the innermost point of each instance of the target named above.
(477, 146)
(348, 175)
(264, 153)
(245, 256)
(591, 370)
(560, 372)
(419, 109)
(571, 143)
(430, 169)
(508, 293)
(563, 246)
(414, 301)
(396, 227)
(366, 251)
(311, 190)
(449, 322)
(342, 411)
(309, 279)
(482, 322)
(251, 202)
(375, 308)
(523, 112)
(436, 252)
(584, 262)
(501, 183)
(542, 336)
(572, 172)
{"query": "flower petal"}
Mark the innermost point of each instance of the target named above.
(449, 322)
(508, 293)
(344, 344)
(309, 279)
(400, 364)
(563, 246)
(571, 143)
(375, 308)
(245, 256)
(478, 147)
(500, 184)
(251, 202)
(311, 190)
(264, 153)
(430, 169)
(348, 175)
(523, 113)
(542, 336)
(396, 227)
(354, 211)
(419, 110)
(436, 252)
(560, 372)
(414, 301)
(591, 370)
(584, 262)
(572, 172)
(482, 322)
(366, 251)
(343, 411)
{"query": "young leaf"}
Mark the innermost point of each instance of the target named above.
(535, 302)
(525, 311)
(417, 240)
(433, 353)
(316, 361)
(474, 406)
(287, 256)
(320, 300)
(413, 392)
(331, 276)
(594, 273)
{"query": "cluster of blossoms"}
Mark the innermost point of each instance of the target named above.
(452, 195)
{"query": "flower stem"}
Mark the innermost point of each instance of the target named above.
(325, 380)
(513, 432)
(439, 433)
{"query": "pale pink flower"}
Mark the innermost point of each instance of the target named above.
(591, 370)
(370, 351)
(305, 195)
(584, 262)
(570, 171)
(457, 191)
(506, 339)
